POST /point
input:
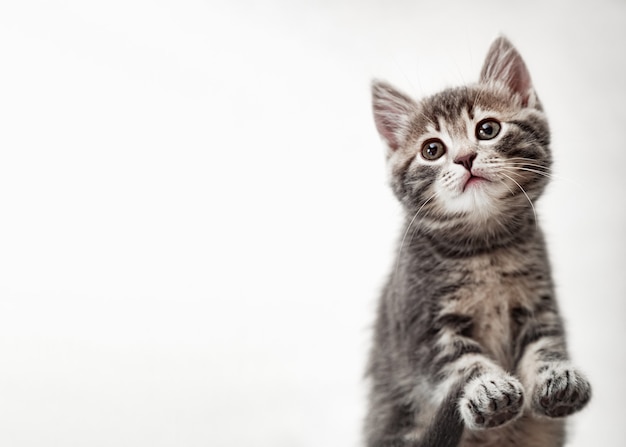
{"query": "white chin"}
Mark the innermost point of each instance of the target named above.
(473, 201)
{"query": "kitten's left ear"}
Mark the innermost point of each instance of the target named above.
(392, 112)
(504, 65)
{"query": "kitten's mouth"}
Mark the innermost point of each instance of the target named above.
(473, 180)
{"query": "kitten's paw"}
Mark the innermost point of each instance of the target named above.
(491, 400)
(560, 391)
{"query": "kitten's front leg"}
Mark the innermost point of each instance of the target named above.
(555, 387)
(490, 397)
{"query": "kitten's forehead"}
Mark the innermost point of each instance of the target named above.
(455, 106)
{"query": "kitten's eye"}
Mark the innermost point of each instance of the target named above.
(433, 149)
(487, 129)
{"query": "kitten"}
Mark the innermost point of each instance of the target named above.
(469, 347)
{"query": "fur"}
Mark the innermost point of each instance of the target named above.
(469, 348)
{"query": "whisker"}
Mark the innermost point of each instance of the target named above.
(531, 160)
(523, 167)
(529, 201)
(526, 163)
(518, 168)
(407, 231)
(508, 187)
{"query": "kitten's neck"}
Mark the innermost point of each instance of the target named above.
(462, 240)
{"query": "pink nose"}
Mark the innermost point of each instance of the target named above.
(466, 160)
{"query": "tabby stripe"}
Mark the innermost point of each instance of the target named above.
(458, 323)
(446, 290)
(541, 137)
(546, 304)
(516, 273)
(534, 334)
(520, 314)
(538, 332)
(546, 355)
(459, 348)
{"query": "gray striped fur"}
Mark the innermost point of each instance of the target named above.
(469, 348)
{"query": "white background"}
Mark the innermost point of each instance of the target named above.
(195, 221)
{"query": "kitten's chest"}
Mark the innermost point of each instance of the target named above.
(491, 298)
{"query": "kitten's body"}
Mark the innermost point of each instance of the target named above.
(469, 348)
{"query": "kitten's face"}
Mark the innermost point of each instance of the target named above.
(473, 152)
(474, 156)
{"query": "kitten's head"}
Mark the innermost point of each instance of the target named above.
(472, 157)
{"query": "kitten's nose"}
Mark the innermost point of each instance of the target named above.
(466, 160)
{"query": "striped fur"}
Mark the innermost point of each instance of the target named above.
(469, 348)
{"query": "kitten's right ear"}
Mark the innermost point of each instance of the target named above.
(392, 113)
(505, 65)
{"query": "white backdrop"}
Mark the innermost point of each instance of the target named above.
(195, 221)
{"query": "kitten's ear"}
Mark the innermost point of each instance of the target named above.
(392, 113)
(504, 65)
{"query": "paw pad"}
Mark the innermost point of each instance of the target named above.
(491, 400)
(560, 391)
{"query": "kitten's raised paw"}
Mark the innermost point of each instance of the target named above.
(491, 400)
(560, 391)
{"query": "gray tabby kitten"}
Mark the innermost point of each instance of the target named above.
(469, 347)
